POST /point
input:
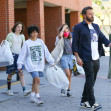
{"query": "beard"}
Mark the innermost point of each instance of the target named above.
(90, 19)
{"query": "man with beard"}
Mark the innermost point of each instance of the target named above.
(86, 46)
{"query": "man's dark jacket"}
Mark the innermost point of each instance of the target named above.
(82, 40)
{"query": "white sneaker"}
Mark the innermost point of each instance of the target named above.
(85, 105)
(26, 92)
(62, 92)
(38, 101)
(96, 106)
(32, 99)
(10, 92)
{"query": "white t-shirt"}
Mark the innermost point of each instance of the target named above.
(33, 54)
(15, 42)
(94, 42)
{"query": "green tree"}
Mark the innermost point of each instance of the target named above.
(103, 14)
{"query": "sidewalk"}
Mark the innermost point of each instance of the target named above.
(53, 101)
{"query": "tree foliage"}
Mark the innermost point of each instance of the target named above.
(105, 12)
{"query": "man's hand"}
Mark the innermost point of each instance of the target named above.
(109, 45)
(79, 61)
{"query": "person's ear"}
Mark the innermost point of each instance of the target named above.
(84, 16)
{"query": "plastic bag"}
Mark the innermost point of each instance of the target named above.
(6, 57)
(56, 77)
(79, 68)
(58, 50)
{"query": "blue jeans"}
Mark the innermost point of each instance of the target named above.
(67, 61)
(36, 74)
(13, 68)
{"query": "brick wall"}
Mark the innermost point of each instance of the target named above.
(74, 18)
(54, 17)
(84, 3)
(10, 15)
(71, 4)
(76, 5)
(2, 20)
(6, 18)
(35, 15)
(21, 16)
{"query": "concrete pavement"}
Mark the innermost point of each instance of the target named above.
(53, 101)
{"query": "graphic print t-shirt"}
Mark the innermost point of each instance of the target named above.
(36, 55)
(94, 42)
(33, 55)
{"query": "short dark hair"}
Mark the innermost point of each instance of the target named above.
(85, 10)
(32, 28)
(14, 27)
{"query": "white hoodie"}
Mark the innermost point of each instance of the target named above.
(33, 54)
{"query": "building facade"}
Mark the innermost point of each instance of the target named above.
(47, 14)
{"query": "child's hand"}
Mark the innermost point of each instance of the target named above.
(64, 27)
(52, 65)
(20, 71)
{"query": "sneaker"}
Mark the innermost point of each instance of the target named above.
(38, 101)
(69, 94)
(32, 99)
(26, 92)
(76, 73)
(85, 105)
(96, 107)
(10, 92)
(62, 92)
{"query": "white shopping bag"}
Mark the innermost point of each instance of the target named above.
(6, 57)
(58, 50)
(79, 68)
(56, 77)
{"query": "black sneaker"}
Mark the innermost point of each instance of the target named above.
(69, 94)
(62, 92)
(96, 107)
(85, 105)
(76, 73)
